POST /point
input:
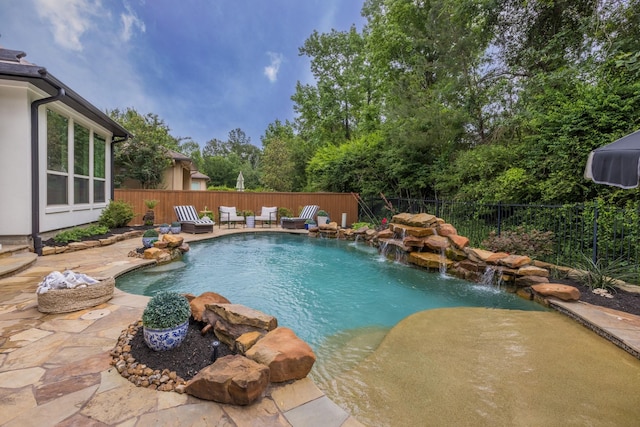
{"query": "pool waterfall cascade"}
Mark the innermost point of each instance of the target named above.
(427, 241)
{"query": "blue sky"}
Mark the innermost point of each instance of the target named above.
(204, 66)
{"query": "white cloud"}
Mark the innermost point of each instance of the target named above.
(130, 21)
(69, 19)
(271, 70)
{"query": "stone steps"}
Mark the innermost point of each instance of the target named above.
(14, 259)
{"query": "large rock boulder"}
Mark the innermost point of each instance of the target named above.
(422, 220)
(230, 321)
(563, 292)
(385, 234)
(530, 280)
(407, 230)
(429, 260)
(246, 341)
(515, 261)
(436, 243)
(447, 230)
(286, 355)
(198, 304)
(172, 240)
(241, 315)
(231, 379)
(459, 242)
(480, 255)
(530, 270)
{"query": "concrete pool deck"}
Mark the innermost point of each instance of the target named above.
(55, 369)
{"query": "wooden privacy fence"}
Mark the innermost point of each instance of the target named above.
(334, 203)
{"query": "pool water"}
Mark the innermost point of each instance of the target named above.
(320, 288)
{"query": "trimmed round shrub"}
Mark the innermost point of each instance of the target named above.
(166, 310)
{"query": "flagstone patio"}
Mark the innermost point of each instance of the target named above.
(55, 368)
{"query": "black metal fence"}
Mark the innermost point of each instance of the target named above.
(595, 229)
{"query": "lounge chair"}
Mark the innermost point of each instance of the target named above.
(268, 214)
(308, 212)
(229, 215)
(190, 222)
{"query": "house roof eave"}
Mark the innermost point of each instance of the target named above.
(39, 76)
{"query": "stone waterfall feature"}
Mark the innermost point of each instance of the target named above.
(429, 242)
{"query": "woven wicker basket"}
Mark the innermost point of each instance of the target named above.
(67, 300)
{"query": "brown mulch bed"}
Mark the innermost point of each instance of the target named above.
(622, 300)
(193, 355)
(112, 232)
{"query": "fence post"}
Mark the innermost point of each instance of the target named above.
(594, 254)
(438, 208)
(499, 217)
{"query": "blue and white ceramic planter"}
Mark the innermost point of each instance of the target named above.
(164, 229)
(147, 242)
(165, 339)
(175, 230)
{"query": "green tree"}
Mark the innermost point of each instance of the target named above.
(354, 166)
(223, 160)
(221, 171)
(143, 157)
(278, 165)
(191, 149)
(345, 99)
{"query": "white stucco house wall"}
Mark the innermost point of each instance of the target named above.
(56, 152)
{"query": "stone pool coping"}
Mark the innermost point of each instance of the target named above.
(56, 368)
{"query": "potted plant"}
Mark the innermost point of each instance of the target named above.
(150, 216)
(165, 321)
(249, 218)
(175, 227)
(149, 237)
(323, 217)
(206, 213)
(309, 224)
(164, 228)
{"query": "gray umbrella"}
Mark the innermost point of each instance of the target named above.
(240, 182)
(616, 164)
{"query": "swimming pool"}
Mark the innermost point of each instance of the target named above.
(317, 287)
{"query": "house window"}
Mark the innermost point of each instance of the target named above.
(80, 164)
(76, 162)
(99, 159)
(195, 185)
(57, 158)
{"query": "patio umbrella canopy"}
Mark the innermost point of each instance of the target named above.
(616, 164)
(240, 182)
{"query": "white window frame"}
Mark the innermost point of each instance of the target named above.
(72, 119)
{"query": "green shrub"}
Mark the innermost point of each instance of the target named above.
(175, 224)
(220, 188)
(284, 212)
(534, 243)
(76, 234)
(117, 214)
(150, 204)
(150, 233)
(166, 310)
(357, 225)
(602, 274)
